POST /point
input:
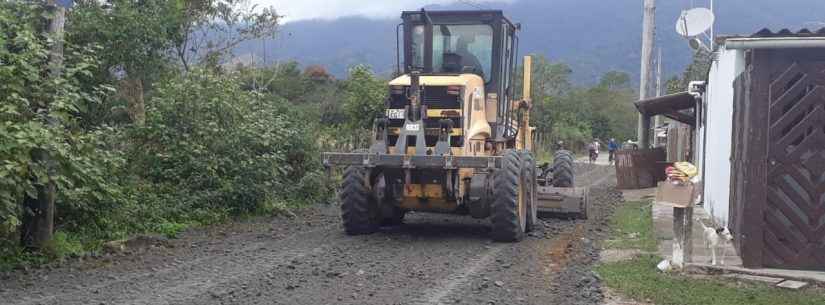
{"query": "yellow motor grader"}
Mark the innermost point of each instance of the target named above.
(453, 138)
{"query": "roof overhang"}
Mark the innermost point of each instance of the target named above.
(783, 39)
(775, 43)
(672, 106)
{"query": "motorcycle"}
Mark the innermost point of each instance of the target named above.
(594, 155)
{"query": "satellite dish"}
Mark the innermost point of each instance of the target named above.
(694, 22)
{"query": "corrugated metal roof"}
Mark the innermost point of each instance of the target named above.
(788, 33)
(670, 106)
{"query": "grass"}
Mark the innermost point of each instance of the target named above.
(544, 155)
(640, 280)
(62, 245)
(69, 244)
(632, 225)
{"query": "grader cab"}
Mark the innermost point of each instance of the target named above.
(454, 139)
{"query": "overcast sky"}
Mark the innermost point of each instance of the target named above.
(294, 10)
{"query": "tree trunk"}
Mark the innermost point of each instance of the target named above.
(38, 217)
(131, 89)
(38, 213)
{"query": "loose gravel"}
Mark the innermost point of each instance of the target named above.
(307, 259)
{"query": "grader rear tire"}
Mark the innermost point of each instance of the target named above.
(509, 214)
(359, 210)
(563, 169)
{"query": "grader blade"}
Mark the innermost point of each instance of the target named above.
(562, 202)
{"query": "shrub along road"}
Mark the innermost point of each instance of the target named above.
(307, 259)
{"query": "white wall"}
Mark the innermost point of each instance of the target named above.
(716, 165)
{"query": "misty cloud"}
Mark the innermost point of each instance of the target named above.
(294, 10)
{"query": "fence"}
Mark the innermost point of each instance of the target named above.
(638, 169)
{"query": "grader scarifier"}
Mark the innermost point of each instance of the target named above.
(453, 138)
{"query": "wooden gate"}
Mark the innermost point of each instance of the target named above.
(638, 169)
(778, 197)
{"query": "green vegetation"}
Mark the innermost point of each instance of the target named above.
(141, 138)
(640, 280)
(632, 225)
(697, 70)
(576, 115)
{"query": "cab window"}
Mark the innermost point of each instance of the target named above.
(463, 49)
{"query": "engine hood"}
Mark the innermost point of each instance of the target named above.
(439, 80)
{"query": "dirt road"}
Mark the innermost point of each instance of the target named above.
(432, 259)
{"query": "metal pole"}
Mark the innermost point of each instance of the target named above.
(643, 129)
(659, 120)
(711, 26)
(659, 74)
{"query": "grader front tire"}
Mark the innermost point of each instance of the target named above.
(359, 211)
(530, 182)
(509, 214)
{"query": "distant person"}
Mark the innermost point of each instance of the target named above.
(612, 147)
(593, 148)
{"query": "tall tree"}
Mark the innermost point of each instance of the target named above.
(136, 37)
(143, 38)
(210, 29)
(39, 96)
(38, 220)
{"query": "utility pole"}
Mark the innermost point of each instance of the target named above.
(659, 120)
(38, 216)
(646, 71)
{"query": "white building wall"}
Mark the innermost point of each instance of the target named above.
(715, 163)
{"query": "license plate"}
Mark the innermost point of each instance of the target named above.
(395, 114)
(413, 127)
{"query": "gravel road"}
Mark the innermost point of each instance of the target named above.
(431, 259)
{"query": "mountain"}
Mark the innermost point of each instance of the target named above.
(592, 36)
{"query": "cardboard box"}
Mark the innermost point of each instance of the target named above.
(677, 195)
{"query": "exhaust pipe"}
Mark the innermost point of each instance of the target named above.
(415, 97)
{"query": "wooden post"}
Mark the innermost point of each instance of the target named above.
(38, 213)
(682, 237)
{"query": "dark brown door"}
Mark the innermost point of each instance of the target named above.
(794, 212)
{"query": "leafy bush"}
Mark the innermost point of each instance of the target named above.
(209, 147)
(364, 97)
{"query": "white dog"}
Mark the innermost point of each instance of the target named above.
(715, 239)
